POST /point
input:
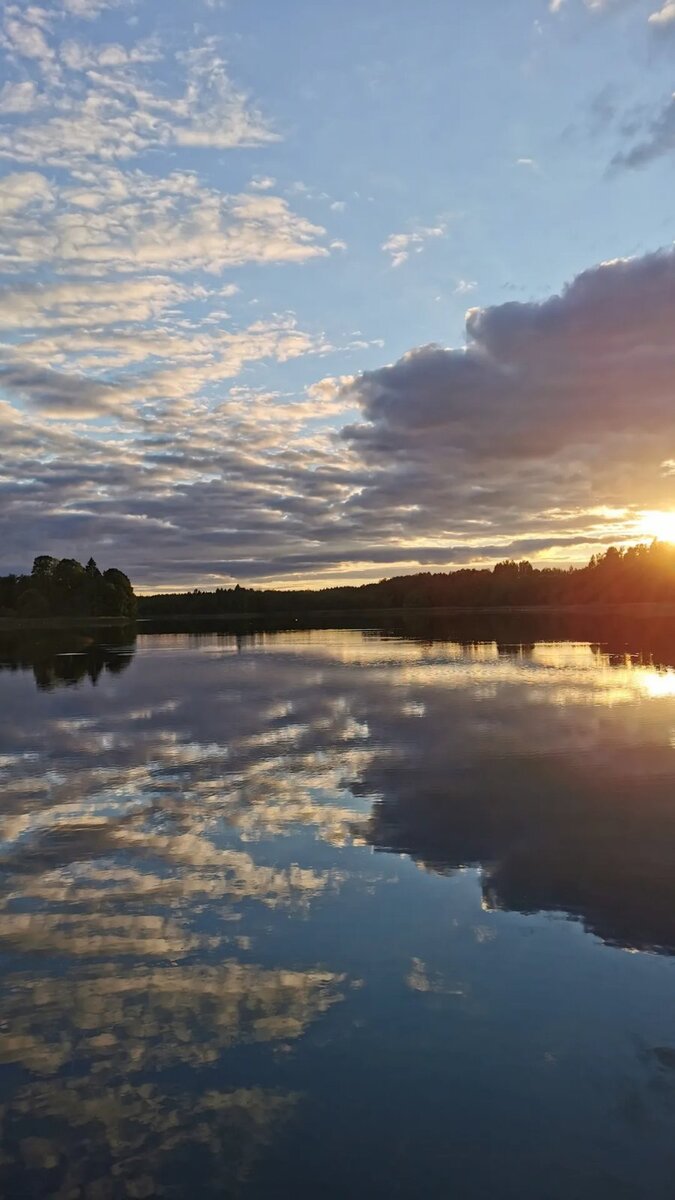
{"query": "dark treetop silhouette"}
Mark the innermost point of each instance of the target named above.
(639, 573)
(64, 588)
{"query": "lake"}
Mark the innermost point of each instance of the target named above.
(386, 910)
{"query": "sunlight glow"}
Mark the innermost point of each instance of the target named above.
(659, 525)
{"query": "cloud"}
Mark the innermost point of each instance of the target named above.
(114, 265)
(88, 10)
(658, 141)
(664, 18)
(527, 440)
(262, 183)
(140, 366)
(85, 304)
(537, 377)
(20, 97)
(464, 286)
(57, 394)
(539, 404)
(137, 222)
(594, 6)
(81, 56)
(400, 245)
(27, 40)
(120, 307)
(24, 190)
(108, 109)
(214, 112)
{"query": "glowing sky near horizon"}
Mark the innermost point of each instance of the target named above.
(298, 293)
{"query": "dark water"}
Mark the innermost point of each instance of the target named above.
(340, 913)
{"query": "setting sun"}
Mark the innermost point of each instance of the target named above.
(659, 525)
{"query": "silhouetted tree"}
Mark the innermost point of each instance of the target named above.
(44, 566)
(639, 573)
(63, 587)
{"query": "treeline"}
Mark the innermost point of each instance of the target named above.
(639, 573)
(64, 588)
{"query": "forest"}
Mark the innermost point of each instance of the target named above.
(642, 573)
(65, 588)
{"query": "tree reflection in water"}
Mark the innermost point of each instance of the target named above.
(66, 658)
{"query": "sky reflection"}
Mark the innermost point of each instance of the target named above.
(201, 951)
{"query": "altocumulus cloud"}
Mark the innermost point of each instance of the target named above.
(59, 394)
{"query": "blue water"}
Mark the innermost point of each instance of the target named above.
(337, 913)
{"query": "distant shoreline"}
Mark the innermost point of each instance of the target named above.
(639, 607)
(12, 624)
(636, 608)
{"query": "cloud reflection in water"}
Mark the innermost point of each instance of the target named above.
(172, 836)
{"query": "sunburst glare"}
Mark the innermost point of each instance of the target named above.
(657, 524)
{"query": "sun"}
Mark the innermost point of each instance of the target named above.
(659, 525)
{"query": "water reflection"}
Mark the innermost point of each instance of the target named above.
(137, 1141)
(540, 763)
(151, 1017)
(201, 951)
(646, 632)
(66, 658)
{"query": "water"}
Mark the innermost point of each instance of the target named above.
(340, 913)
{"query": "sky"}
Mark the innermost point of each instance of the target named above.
(296, 294)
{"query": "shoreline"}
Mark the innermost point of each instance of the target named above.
(19, 624)
(638, 607)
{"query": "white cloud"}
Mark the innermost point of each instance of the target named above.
(556, 6)
(262, 183)
(88, 10)
(214, 113)
(464, 286)
(664, 17)
(400, 245)
(137, 222)
(127, 342)
(114, 112)
(83, 56)
(85, 304)
(20, 97)
(23, 39)
(21, 191)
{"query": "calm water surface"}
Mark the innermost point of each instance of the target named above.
(338, 913)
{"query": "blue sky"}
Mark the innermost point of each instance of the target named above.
(238, 244)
